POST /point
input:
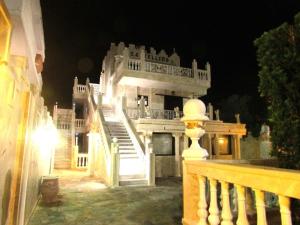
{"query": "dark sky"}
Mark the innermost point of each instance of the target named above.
(79, 32)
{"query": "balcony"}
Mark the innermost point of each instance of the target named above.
(141, 73)
(80, 125)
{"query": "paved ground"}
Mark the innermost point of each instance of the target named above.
(86, 201)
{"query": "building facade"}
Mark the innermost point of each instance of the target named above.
(25, 154)
(139, 102)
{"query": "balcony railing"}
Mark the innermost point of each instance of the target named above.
(79, 123)
(198, 175)
(80, 88)
(135, 113)
(82, 160)
(168, 69)
(137, 65)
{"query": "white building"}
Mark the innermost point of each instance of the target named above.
(138, 100)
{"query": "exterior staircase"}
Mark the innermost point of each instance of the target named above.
(132, 168)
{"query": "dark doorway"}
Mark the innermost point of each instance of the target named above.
(173, 101)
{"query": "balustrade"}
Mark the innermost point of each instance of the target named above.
(80, 88)
(242, 177)
(134, 64)
(134, 113)
(79, 123)
(82, 160)
(202, 75)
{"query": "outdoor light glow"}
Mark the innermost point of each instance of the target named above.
(45, 136)
(221, 141)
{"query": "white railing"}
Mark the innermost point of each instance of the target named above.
(80, 88)
(134, 113)
(203, 75)
(63, 126)
(79, 123)
(168, 69)
(82, 160)
(261, 180)
(134, 64)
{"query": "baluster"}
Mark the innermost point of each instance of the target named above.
(285, 212)
(260, 207)
(202, 205)
(213, 217)
(226, 211)
(242, 214)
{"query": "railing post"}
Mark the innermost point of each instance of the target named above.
(143, 60)
(115, 163)
(260, 207)
(242, 214)
(75, 85)
(208, 70)
(195, 69)
(213, 217)
(150, 165)
(194, 188)
(125, 57)
(202, 204)
(226, 210)
(285, 212)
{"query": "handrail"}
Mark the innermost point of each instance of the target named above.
(133, 113)
(284, 183)
(244, 174)
(138, 144)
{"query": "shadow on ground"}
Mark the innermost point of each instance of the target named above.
(88, 202)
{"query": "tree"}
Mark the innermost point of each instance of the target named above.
(278, 55)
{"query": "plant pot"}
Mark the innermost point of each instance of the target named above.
(49, 189)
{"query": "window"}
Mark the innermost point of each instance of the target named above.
(163, 144)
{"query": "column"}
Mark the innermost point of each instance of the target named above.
(91, 164)
(209, 146)
(177, 154)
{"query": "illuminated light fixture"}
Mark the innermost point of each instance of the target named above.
(221, 141)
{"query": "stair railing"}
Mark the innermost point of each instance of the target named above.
(138, 144)
(110, 171)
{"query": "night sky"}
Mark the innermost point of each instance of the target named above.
(79, 32)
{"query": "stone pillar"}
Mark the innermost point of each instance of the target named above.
(143, 60)
(91, 154)
(115, 163)
(210, 153)
(195, 69)
(150, 165)
(216, 145)
(208, 69)
(75, 85)
(177, 154)
(125, 58)
(210, 111)
(148, 141)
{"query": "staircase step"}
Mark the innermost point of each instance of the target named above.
(133, 182)
(132, 176)
(128, 156)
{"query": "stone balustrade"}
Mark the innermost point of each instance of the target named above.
(134, 113)
(139, 65)
(82, 160)
(80, 88)
(198, 175)
(79, 123)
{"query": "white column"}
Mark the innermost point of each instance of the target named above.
(177, 154)
(91, 148)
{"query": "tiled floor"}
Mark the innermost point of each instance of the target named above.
(88, 202)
